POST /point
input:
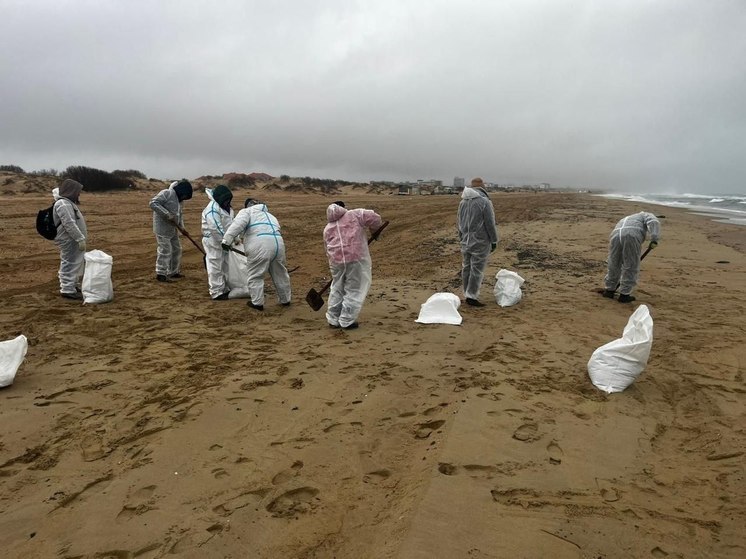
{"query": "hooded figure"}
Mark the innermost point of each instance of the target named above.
(625, 242)
(216, 218)
(265, 251)
(477, 233)
(71, 236)
(346, 242)
(168, 217)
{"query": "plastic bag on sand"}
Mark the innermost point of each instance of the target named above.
(12, 353)
(616, 365)
(97, 286)
(238, 273)
(440, 309)
(508, 288)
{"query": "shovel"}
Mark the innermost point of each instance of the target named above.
(188, 236)
(314, 299)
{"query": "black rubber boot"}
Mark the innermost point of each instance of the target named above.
(608, 293)
(221, 297)
(77, 296)
(474, 302)
(253, 306)
(626, 298)
(161, 277)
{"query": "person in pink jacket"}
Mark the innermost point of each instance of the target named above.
(346, 242)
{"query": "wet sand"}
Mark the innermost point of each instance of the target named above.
(164, 424)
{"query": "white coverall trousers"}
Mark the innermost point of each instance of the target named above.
(217, 265)
(623, 262)
(350, 285)
(72, 262)
(267, 254)
(474, 264)
(168, 256)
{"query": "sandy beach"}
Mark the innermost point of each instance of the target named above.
(165, 424)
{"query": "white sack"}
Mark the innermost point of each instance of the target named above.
(440, 309)
(508, 288)
(12, 353)
(97, 286)
(238, 274)
(616, 365)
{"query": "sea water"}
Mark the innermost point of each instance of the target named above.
(725, 208)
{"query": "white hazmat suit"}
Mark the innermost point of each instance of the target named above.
(71, 235)
(345, 239)
(625, 243)
(168, 210)
(265, 251)
(477, 233)
(215, 222)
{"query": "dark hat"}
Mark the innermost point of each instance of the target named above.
(183, 190)
(222, 195)
(250, 202)
(340, 203)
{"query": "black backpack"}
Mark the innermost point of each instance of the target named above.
(45, 223)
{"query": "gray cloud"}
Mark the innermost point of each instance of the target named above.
(623, 94)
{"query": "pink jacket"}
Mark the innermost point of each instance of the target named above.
(345, 235)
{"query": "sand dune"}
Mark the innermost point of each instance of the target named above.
(164, 424)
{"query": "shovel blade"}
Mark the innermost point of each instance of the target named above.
(314, 300)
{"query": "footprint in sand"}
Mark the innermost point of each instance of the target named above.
(376, 476)
(425, 429)
(607, 490)
(447, 469)
(526, 432)
(240, 501)
(555, 453)
(92, 448)
(286, 475)
(293, 502)
(658, 553)
(139, 503)
(219, 473)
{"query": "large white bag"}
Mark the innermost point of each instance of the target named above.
(616, 365)
(12, 353)
(238, 274)
(440, 309)
(508, 288)
(97, 287)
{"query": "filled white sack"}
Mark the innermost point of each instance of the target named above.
(97, 287)
(237, 276)
(508, 288)
(440, 308)
(12, 353)
(616, 365)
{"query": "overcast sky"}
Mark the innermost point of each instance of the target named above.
(636, 95)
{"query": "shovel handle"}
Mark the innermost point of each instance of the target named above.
(188, 236)
(377, 232)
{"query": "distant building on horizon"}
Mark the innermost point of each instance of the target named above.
(458, 182)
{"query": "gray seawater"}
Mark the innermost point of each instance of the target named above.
(725, 208)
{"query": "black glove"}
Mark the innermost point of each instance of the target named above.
(225, 247)
(494, 246)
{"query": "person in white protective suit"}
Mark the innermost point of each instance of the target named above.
(71, 236)
(216, 218)
(477, 233)
(625, 242)
(168, 216)
(346, 242)
(265, 251)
